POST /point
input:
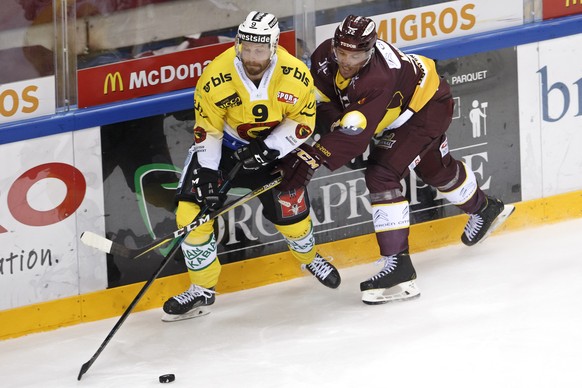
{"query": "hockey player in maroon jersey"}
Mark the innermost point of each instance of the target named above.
(367, 90)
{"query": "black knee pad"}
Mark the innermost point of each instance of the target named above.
(184, 190)
(285, 207)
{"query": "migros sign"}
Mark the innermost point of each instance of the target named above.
(150, 75)
(428, 24)
(440, 21)
(27, 99)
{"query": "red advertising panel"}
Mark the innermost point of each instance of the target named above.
(151, 75)
(559, 8)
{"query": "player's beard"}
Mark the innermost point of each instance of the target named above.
(255, 69)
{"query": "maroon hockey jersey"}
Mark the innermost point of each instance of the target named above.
(382, 96)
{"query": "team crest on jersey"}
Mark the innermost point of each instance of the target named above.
(287, 98)
(252, 131)
(199, 135)
(229, 102)
(303, 131)
(292, 203)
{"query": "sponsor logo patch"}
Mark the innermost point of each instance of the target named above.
(229, 102)
(386, 141)
(414, 163)
(287, 98)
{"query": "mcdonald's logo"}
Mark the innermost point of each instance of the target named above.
(114, 81)
(568, 3)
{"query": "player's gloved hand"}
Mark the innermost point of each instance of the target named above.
(298, 167)
(256, 154)
(206, 185)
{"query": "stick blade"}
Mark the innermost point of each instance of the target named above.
(95, 241)
(103, 244)
(84, 368)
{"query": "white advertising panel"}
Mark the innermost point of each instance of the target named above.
(441, 21)
(50, 191)
(550, 101)
(27, 99)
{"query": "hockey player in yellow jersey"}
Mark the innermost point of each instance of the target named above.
(254, 104)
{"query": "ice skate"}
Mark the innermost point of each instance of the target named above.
(395, 282)
(325, 272)
(191, 303)
(480, 225)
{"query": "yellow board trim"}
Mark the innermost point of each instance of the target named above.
(268, 269)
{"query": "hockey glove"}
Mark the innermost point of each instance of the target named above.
(256, 154)
(298, 167)
(205, 187)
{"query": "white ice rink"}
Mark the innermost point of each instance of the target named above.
(506, 313)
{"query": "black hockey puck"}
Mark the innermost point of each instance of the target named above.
(167, 378)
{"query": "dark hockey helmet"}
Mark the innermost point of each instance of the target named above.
(355, 33)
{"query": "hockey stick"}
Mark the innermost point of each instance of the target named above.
(108, 246)
(201, 215)
(85, 367)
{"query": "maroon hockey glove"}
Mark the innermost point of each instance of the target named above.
(205, 187)
(256, 154)
(298, 167)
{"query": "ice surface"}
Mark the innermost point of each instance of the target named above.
(505, 313)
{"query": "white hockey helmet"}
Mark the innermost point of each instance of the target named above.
(259, 27)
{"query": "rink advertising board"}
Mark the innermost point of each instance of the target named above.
(143, 159)
(45, 195)
(151, 75)
(27, 99)
(558, 8)
(550, 99)
(440, 21)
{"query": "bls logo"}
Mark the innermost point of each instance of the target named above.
(22, 210)
(217, 81)
(113, 81)
(298, 74)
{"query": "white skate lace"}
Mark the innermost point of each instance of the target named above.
(193, 292)
(390, 264)
(320, 267)
(473, 226)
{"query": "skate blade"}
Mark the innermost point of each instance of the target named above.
(501, 218)
(194, 313)
(398, 293)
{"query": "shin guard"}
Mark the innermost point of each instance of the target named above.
(300, 240)
(392, 226)
(463, 191)
(202, 262)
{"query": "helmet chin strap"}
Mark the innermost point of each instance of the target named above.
(372, 50)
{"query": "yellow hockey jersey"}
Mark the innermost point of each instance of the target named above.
(231, 110)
